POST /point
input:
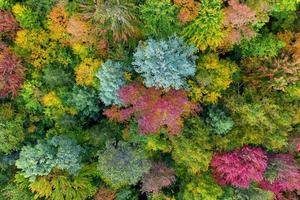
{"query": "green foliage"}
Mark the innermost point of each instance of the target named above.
(14, 192)
(25, 16)
(251, 193)
(212, 77)
(62, 187)
(57, 152)
(11, 129)
(192, 148)
(203, 187)
(160, 18)
(165, 63)
(207, 29)
(122, 165)
(261, 46)
(220, 123)
(85, 100)
(263, 122)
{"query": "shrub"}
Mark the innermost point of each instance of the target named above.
(57, 152)
(239, 167)
(165, 63)
(12, 73)
(122, 165)
(159, 18)
(152, 108)
(207, 29)
(111, 77)
(158, 177)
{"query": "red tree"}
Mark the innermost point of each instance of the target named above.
(239, 167)
(153, 108)
(12, 73)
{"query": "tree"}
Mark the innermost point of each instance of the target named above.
(57, 152)
(122, 165)
(207, 29)
(12, 73)
(165, 63)
(239, 167)
(152, 108)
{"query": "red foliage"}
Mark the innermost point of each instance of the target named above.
(237, 18)
(105, 194)
(239, 167)
(11, 73)
(152, 108)
(158, 177)
(287, 175)
(7, 22)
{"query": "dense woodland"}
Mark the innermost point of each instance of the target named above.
(150, 99)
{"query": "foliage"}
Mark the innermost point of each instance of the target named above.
(261, 46)
(122, 165)
(238, 20)
(11, 129)
(12, 73)
(160, 18)
(8, 23)
(86, 101)
(188, 9)
(114, 19)
(206, 30)
(282, 174)
(111, 77)
(165, 63)
(25, 16)
(218, 120)
(61, 187)
(203, 187)
(152, 108)
(86, 71)
(251, 193)
(213, 76)
(57, 152)
(262, 122)
(105, 194)
(38, 49)
(239, 167)
(192, 149)
(158, 177)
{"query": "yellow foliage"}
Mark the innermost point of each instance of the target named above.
(85, 72)
(80, 50)
(39, 49)
(58, 24)
(212, 77)
(52, 100)
(18, 9)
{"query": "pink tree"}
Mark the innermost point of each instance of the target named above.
(239, 167)
(152, 108)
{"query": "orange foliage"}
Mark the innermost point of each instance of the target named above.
(105, 194)
(188, 10)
